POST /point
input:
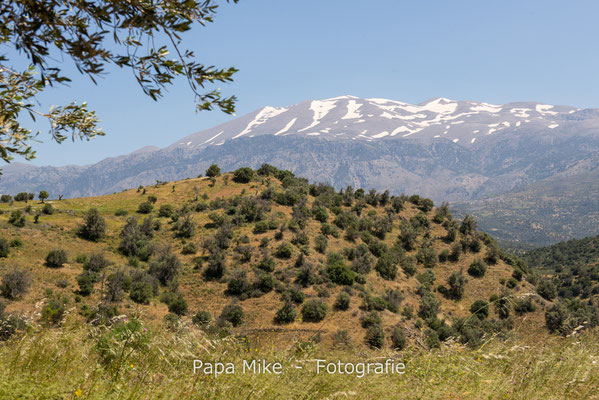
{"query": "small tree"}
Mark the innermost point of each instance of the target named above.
(457, 285)
(43, 195)
(477, 268)
(286, 314)
(314, 311)
(213, 171)
(93, 227)
(56, 258)
(4, 248)
(233, 314)
(15, 283)
(243, 175)
(17, 219)
(398, 338)
(480, 308)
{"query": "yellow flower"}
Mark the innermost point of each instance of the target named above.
(78, 392)
(131, 365)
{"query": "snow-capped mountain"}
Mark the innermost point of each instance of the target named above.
(349, 117)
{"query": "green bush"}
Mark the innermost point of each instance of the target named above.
(145, 208)
(233, 314)
(480, 308)
(340, 274)
(202, 318)
(120, 212)
(342, 302)
(17, 219)
(386, 268)
(314, 311)
(177, 304)
(56, 258)
(213, 171)
(285, 250)
(477, 268)
(165, 267)
(86, 282)
(398, 339)
(457, 285)
(143, 287)
(243, 175)
(370, 319)
(54, 309)
(16, 242)
(375, 336)
(546, 289)
(4, 248)
(166, 211)
(286, 314)
(96, 262)
(93, 227)
(189, 248)
(15, 283)
(48, 209)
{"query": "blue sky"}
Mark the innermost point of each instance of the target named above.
(290, 51)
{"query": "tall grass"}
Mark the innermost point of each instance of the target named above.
(66, 363)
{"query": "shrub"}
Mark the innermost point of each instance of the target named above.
(342, 302)
(398, 339)
(15, 283)
(285, 250)
(477, 268)
(166, 211)
(233, 314)
(48, 209)
(567, 315)
(243, 175)
(238, 284)
(120, 212)
(393, 298)
(468, 225)
(370, 319)
(96, 262)
(177, 304)
(143, 287)
(5, 198)
(165, 267)
(189, 248)
(522, 306)
(429, 306)
(286, 314)
(320, 243)
(16, 242)
(427, 256)
(56, 258)
(340, 274)
(265, 283)
(480, 308)
(546, 289)
(213, 171)
(117, 284)
(184, 227)
(202, 318)
(375, 336)
(341, 339)
(457, 285)
(86, 282)
(152, 199)
(4, 248)
(17, 219)
(93, 227)
(216, 267)
(54, 309)
(386, 268)
(314, 311)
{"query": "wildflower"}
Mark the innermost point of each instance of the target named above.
(78, 392)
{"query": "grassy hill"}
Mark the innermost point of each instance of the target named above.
(273, 253)
(121, 292)
(573, 265)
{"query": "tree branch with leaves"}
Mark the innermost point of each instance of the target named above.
(144, 36)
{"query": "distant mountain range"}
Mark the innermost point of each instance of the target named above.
(448, 150)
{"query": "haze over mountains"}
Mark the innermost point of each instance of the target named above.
(444, 149)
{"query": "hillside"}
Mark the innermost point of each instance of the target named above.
(552, 210)
(272, 253)
(573, 266)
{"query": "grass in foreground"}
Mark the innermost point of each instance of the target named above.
(134, 363)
